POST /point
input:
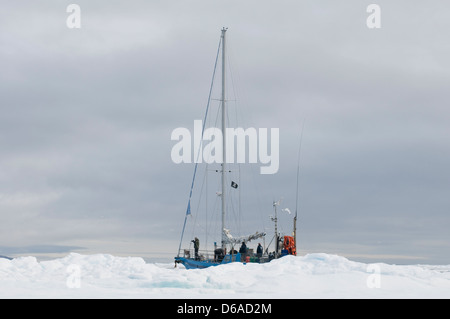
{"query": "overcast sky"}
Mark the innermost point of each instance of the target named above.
(86, 117)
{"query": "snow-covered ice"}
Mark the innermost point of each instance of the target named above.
(309, 276)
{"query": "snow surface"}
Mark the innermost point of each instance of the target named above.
(309, 276)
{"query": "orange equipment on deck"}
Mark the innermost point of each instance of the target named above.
(289, 245)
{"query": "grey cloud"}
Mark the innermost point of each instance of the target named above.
(86, 117)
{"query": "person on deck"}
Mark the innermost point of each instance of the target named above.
(196, 246)
(259, 250)
(243, 251)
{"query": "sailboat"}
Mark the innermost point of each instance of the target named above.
(225, 252)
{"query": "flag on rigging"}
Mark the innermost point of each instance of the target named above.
(234, 185)
(188, 210)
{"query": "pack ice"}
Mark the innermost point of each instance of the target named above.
(311, 276)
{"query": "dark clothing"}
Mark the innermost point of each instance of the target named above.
(243, 249)
(196, 246)
(259, 250)
(218, 254)
(243, 252)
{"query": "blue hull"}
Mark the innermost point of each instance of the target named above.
(190, 263)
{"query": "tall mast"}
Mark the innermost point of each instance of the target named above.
(223, 137)
(296, 195)
(277, 239)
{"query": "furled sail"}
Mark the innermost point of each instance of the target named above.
(236, 240)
